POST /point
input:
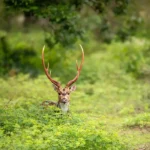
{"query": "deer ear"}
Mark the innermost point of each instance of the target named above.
(72, 88)
(55, 87)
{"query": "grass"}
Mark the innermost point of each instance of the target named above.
(141, 120)
(109, 109)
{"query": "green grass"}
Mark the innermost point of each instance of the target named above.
(141, 120)
(110, 109)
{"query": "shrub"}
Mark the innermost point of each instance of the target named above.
(20, 58)
(132, 56)
(141, 120)
(38, 128)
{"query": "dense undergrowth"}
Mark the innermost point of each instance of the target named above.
(25, 124)
(36, 128)
(112, 100)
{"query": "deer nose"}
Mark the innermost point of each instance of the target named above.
(64, 100)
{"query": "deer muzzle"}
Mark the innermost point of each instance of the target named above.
(64, 100)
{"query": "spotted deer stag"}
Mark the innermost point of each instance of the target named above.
(63, 93)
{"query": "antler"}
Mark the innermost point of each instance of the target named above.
(47, 70)
(78, 70)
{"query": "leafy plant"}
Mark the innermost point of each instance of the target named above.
(141, 120)
(64, 17)
(38, 128)
(21, 58)
(132, 56)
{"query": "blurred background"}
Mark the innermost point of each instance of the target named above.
(25, 26)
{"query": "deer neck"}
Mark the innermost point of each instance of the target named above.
(63, 106)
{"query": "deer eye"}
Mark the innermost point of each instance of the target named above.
(59, 93)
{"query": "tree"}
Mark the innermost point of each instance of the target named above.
(65, 17)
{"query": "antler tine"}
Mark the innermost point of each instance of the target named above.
(78, 69)
(47, 70)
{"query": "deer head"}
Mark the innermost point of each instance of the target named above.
(63, 93)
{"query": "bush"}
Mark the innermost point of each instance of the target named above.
(20, 58)
(37, 128)
(132, 56)
(141, 120)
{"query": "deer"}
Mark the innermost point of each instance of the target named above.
(63, 93)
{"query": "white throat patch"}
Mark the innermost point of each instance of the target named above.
(64, 107)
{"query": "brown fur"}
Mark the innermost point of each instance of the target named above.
(48, 103)
(64, 93)
(63, 97)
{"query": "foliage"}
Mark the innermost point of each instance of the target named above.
(21, 58)
(127, 110)
(141, 120)
(37, 128)
(106, 95)
(65, 26)
(24, 56)
(133, 55)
